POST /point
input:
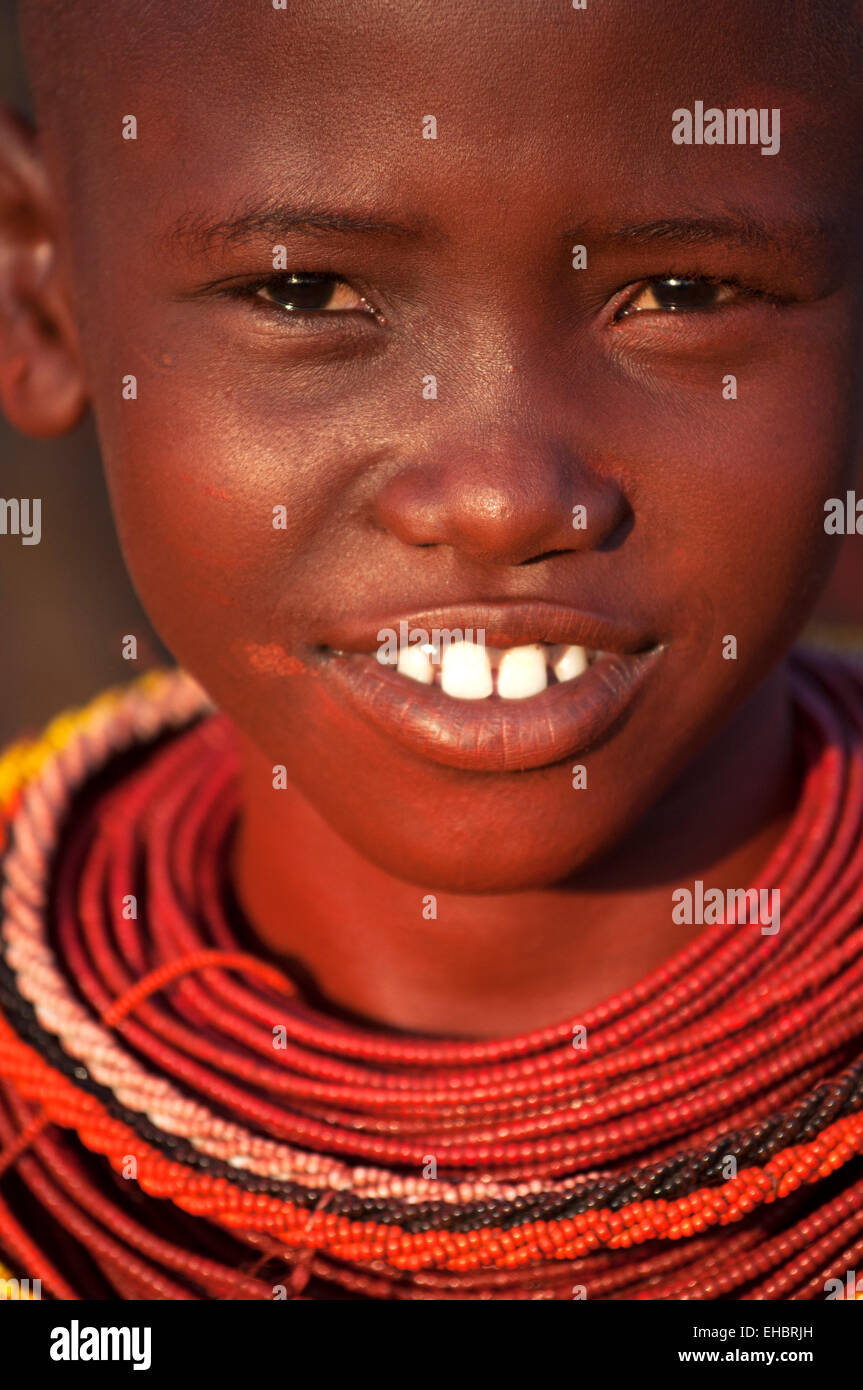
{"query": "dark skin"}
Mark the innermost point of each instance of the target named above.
(706, 515)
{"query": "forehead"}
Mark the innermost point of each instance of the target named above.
(117, 41)
(239, 99)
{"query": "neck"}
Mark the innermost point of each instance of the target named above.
(492, 965)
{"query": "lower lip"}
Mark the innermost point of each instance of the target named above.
(493, 735)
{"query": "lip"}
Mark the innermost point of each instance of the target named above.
(494, 735)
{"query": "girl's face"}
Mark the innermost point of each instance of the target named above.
(407, 431)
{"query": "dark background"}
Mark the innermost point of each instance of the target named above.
(66, 603)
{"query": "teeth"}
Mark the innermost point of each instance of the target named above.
(472, 671)
(571, 662)
(466, 671)
(415, 661)
(522, 672)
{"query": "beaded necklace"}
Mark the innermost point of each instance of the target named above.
(194, 1129)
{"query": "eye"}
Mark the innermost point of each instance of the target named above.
(674, 294)
(306, 292)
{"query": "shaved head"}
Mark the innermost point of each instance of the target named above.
(69, 46)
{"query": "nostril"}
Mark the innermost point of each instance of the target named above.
(546, 555)
(615, 538)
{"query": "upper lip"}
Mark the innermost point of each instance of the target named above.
(504, 625)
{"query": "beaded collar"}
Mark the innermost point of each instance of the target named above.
(200, 1131)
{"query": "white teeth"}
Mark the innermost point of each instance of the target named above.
(415, 661)
(571, 662)
(472, 671)
(522, 672)
(466, 671)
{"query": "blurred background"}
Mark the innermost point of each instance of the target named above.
(66, 604)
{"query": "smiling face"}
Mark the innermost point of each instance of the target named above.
(429, 378)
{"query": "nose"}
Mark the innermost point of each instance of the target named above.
(502, 502)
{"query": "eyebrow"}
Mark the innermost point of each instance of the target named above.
(744, 229)
(198, 232)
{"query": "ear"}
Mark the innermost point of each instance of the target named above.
(42, 389)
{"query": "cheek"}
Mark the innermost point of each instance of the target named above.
(224, 517)
(196, 555)
(735, 507)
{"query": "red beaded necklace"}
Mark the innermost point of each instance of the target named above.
(198, 1130)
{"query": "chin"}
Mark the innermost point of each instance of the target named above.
(466, 864)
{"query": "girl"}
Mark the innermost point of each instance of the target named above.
(337, 968)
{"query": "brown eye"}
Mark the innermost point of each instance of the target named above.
(674, 294)
(303, 292)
